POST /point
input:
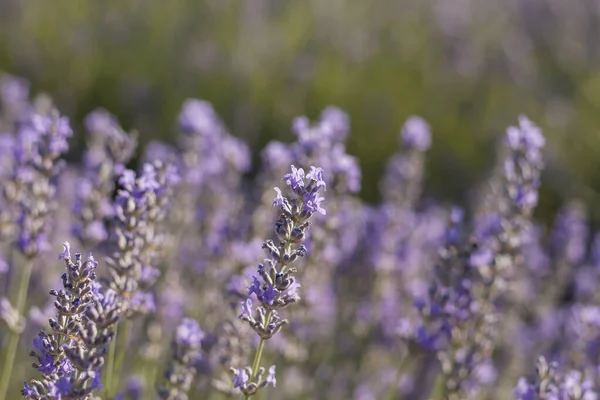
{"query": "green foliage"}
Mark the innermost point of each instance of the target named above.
(469, 69)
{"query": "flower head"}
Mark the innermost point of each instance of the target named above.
(295, 179)
(240, 378)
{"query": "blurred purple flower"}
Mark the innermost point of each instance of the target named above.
(416, 134)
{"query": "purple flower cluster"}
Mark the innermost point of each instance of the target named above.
(139, 208)
(185, 358)
(275, 287)
(553, 384)
(109, 149)
(30, 190)
(401, 185)
(71, 355)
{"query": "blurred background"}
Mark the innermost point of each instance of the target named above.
(469, 67)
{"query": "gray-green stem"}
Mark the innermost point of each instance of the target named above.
(439, 388)
(259, 351)
(110, 363)
(122, 350)
(402, 367)
(13, 341)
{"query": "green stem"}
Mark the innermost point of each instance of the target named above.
(404, 364)
(122, 350)
(13, 342)
(259, 351)
(110, 363)
(151, 372)
(439, 388)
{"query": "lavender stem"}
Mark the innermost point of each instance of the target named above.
(110, 363)
(14, 336)
(122, 346)
(439, 388)
(259, 350)
(402, 367)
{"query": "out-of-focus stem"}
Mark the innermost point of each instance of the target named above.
(402, 367)
(151, 372)
(13, 342)
(110, 363)
(122, 350)
(439, 388)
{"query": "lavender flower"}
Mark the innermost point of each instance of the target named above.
(416, 134)
(14, 100)
(139, 208)
(9, 193)
(109, 149)
(184, 361)
(402, 182)
(71, 355)
(275, 286)
(451, 313)
(41, 141)
(551, 383)
(464, 307)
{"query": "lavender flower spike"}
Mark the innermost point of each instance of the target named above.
(109, 149)
(275, 286)
(71, 355)
(184, 360)
(552, 383)
(139, 209)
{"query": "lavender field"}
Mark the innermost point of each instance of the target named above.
(216, 200)
(187, 278)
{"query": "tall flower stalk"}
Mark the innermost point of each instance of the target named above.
(465, 311)
(275, 287)
(109, 149)
(71, 354)
(40, 142)
(138, 210)
(186, 354)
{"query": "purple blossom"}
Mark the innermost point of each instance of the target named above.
(40, 142)
(527, 135)
(100, 120)
(255, 287)
(275, 286)
(570, 234)
(416, 134)
(269, 294)
(13, 90)
(246, 309)
(300, 124)
(70, 367)
(197, 116)
(127, 179)
(46, 360)
(312, 204)
(66, 251)
(295, 179)
(240, 378)
(279, 200)
(276, 155)
(292, 288)
(524, 390)
(271, 377)
(335, 122)
(189, 333)
(143, 302)
(316, 174)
